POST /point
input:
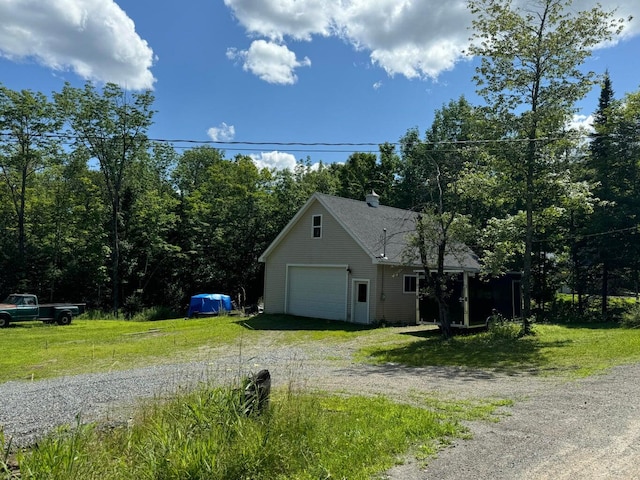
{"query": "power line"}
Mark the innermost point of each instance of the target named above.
(584, 236)
(70, 138)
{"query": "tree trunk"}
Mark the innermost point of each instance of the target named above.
(445, 320)
(605, 288)
(527, 284)
(115, 255)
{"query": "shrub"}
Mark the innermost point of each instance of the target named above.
(631, 317)
(501, 328)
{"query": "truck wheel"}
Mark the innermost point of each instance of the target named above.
(64, 319)
(4, 321)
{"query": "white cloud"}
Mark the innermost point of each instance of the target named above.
(413, 38)
(272, 62)
(222, 133)
(581, 122)
(274, 19)
(275, 159)
(93, 38)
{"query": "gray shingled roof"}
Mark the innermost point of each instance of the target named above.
(367, 226)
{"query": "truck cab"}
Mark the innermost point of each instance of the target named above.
(24, 307)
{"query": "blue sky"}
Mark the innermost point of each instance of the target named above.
(280, 71)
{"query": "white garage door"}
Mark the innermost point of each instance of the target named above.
(319, 292)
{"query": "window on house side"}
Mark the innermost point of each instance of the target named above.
(410, 284)
(317, 226)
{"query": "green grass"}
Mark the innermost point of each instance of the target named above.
(571, 350)
(204, 434)
(32, 350)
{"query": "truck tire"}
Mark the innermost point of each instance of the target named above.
(4, 321)
(64, 318)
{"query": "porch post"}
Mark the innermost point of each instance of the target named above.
(465, 297)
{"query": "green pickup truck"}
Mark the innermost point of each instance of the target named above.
(19, 307)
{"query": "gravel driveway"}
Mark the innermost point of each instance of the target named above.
(556, 429)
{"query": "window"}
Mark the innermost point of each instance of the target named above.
(362, 293)
(410, 284)
(317, 226)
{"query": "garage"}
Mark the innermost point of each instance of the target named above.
(317, 291)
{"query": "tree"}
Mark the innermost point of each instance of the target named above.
(70, 236)
(627, 189)
(435, 169)
(530, 72)
(149, 216)
(111, 125)
(28, 124)
(605, 171)
(359, 175)
(364, 172)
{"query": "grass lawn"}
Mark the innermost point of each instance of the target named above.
(32, 350)
(578, 350)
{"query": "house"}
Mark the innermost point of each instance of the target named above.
(344, 259)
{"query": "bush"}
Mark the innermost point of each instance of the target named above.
(501, 328)
(631, 317)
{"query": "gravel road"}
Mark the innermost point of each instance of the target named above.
(556, 429)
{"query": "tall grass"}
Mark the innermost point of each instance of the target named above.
(206, 435)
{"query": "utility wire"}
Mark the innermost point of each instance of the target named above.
(71, 138)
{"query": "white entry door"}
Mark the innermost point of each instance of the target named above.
(361, 301)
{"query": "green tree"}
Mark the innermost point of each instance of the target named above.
(359, 175)
(364, 172)
(111, 125)
(627, 188)
(149, 216)
(605, 171)
(28, 125)
(434, 173)
(72, 242)
(529, 71)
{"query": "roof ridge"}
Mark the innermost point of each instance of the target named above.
(382, 205)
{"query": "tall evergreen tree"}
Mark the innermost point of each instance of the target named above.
(604, 171)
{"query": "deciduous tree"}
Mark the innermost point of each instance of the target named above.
(28, 128)
(112, 126)
(530, 70)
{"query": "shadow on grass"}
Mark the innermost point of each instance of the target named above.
(473, 351)
(588, 325)
(290, 323)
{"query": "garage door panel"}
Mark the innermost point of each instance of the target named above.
(319, 292)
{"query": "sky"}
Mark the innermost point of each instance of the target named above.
(269, 78)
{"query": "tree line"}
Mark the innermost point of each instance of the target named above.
(91, 209)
